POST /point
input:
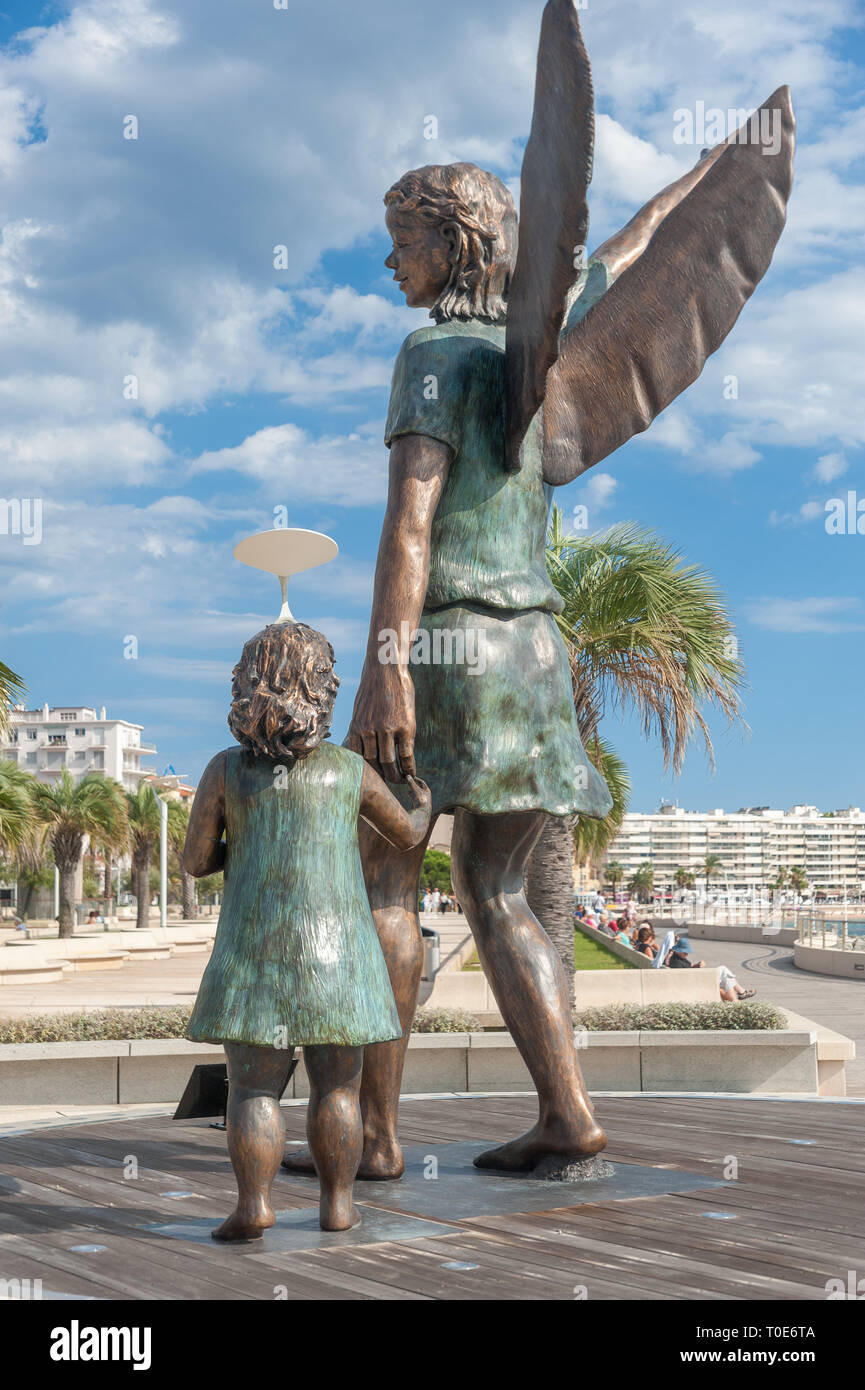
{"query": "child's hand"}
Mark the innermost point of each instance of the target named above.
(420, 793)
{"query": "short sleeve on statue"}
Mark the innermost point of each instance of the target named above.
(426, 394)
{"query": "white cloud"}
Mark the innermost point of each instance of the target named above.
(827, 615)
(809, 511)
(598, 490)
(350, 470)
(830, 467)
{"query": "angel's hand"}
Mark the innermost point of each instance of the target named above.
(383, 723)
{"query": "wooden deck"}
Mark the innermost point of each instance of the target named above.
(793, 1220)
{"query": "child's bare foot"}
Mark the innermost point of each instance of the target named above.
(543, 1141)
(246, 1223)
(338, 1213)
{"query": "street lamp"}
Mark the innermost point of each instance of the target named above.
(163, 859)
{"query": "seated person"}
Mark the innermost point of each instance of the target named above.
(731, 990)
(644, 941)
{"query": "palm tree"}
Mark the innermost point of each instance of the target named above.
(614, 872)
(799, 881)
(644, 632)
(70, 810)
(551, 863)
(111, 846)
(683, 878)
(709, 866)
(779, 883)
(142, 810)
(178, 823)
(642, 882)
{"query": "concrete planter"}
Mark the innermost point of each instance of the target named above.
(723, 931)
(800, 1060)
(825, 960)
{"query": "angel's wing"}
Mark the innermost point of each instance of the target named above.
(554, 217)
(649, 336)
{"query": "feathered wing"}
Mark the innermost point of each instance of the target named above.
(554, 217)
(649, 336)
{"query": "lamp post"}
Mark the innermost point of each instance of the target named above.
(163, 859)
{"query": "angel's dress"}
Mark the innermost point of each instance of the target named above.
(296, 960)
(496, 728)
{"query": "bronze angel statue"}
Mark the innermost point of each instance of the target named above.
(540, 361)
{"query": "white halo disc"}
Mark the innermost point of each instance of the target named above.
(285, 551)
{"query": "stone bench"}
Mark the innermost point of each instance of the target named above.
(27, 965)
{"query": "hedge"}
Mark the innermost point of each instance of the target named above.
(680, 1017)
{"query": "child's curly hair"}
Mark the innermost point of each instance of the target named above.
(481, 208)
(282, 692)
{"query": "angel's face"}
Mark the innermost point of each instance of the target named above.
(421, 259)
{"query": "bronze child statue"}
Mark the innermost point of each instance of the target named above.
(296, 960)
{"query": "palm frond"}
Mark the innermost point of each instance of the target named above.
(12, 688)
(645, 631)
(592, 837)
(18, 823)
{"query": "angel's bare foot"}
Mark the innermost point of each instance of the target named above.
(338, 1213)
(382, 1161)
(246, 1223)
(543, 1141)
(299, 1161)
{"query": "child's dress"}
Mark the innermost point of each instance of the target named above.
(296, 959)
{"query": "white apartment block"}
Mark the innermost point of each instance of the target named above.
(752, 845)
(46, 740)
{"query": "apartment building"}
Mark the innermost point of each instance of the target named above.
(752, 845)
(75, 737)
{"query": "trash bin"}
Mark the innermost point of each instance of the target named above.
(431, 952)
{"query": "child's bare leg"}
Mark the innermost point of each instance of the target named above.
(392, 878)
(256, 1075)
(334, 1130)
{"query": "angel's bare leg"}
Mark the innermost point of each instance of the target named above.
(489, 855)
(392, 877)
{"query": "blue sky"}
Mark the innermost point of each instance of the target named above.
(260, 388)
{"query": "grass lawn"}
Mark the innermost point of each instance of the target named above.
(588, 955)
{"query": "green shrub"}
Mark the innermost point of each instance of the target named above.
(621, 1018)
(100, 1025)
(444, 1021)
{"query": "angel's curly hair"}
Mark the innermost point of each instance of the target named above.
(282, 692)
(482, 210)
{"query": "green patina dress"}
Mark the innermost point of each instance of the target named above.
(496, 728)
(296, 959)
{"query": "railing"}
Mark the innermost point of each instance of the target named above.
(832, 933)
(777, 910)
